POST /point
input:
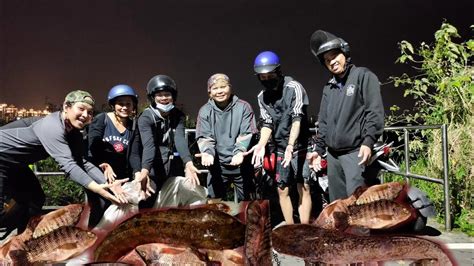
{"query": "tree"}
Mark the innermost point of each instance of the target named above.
(443, 90)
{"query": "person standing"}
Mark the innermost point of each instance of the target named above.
(351, 116)
(110, 136)
(57, 135)
(161, 127)
(283, 103)
(224, 130)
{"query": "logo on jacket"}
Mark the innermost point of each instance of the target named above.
(350, 90)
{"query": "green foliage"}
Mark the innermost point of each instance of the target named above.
(58, 189)
(443, 90)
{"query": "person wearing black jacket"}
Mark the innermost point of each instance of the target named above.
(110, 137)
(351, 116)
(161, 127)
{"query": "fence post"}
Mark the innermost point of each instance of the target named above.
(447, 206)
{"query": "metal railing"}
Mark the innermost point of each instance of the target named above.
(445, 180)
(406, 173)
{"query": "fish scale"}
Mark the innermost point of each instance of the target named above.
(70, 240)
(200, 228)
(364, 214)
(388, 191)
(66, 216)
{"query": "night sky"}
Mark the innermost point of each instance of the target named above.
(49, 47)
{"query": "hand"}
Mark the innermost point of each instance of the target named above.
(144, 179)
(108, 172)
(314, 161)
(191, 172)
(288, 156)
(365, 152)
(101, 189)
(206, 159)
(237, 159)
(117, 190)
(258, 154)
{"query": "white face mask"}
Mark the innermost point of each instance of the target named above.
(165, 107)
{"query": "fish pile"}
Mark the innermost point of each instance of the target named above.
(197, 236)
(382, 206)
(51, 238)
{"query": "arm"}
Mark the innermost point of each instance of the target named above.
(374, 111)
(320, 141)
(374, 115)
(146, 127)
(247, 129)
(181, 142)
(95, 135)
(205, 138)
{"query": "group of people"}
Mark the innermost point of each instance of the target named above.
(123, 144)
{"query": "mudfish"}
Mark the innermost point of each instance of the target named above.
(58, 245)
(197, 228)
(318, 245)
(258, 234)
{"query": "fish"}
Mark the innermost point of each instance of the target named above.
(258, 234)
(386, 191)
(197, 228)
(162, 254)
(319, 245)
(65, 216)
(58, 245)
(382, 214)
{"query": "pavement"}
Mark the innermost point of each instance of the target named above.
(459, 244)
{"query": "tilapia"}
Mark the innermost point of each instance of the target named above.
(58, 245)
(198, 228)
(65, 216)
(386, 191)
(381, 214)
(318, 245)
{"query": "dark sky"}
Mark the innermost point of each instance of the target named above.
(49, 47)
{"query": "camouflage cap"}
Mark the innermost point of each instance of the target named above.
(216, 77)
(79, 96)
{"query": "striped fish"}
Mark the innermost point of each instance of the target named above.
(381, 214)
(65, 216)
(58, 245)
(387, 191)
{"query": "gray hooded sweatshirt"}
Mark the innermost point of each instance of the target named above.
(224, 133)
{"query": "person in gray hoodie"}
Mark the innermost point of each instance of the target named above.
(224, 130)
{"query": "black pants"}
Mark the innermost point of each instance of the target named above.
(20, 187)
(219, 181)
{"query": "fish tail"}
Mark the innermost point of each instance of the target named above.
(257, 246)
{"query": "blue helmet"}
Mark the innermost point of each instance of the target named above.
(266, 62)
(121, 90)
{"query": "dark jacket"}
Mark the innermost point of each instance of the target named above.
(278, 110)
(101, 151)
(351, 112)
(159, 135)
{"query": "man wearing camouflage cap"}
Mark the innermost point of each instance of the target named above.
(224, 130)
(57, 135)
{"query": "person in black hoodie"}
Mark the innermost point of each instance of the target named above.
(283, 103)
(351, 116)
(224, 130)
(110, 137)
(161, 127)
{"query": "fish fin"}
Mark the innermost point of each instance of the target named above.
(19, 257)
(171, 250)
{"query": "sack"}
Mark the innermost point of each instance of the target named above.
(179, 191)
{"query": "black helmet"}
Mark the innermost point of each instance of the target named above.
(161, 83)
(323, 41)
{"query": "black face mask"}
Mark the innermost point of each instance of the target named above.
(270, 84)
